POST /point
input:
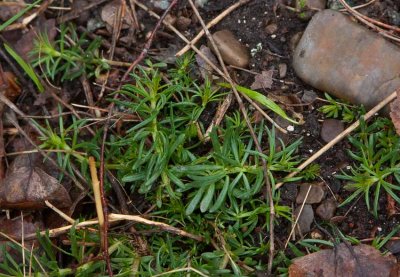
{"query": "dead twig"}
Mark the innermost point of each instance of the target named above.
(371, 22)
(342, 135)
(75, 14)
(116, 218)
(101, 210)
(28, 19)
(211, 24)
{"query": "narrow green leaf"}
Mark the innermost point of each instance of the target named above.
(193, 203)
(221, 196)
(205, 203)
(26, 67)
(254, 95)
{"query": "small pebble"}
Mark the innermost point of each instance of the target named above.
(290, 128)
(305, 220)
(330, 129)
(232, 51)
(326, 210)
(316, 194)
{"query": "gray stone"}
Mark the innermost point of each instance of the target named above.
(326, 210)
(316, 194)
(306, 218)
(342, 57)
(330, 129)
(309, 96)
(393, 246)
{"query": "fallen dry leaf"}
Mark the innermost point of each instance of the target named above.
(263, 80)
(206, 69)
(390, 205)
(27, 186)
(9, 85)
(27, 41)
(395, 113)
(109, 12)
(344, 261)
(13, 228)
(6, 12)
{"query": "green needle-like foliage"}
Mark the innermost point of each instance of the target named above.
(377, 149)
(69, 57)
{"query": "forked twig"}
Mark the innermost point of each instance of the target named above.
(342, 135)
(116, 218)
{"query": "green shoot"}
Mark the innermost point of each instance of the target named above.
(26, 67)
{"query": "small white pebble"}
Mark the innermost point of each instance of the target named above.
(379, 229)
(253, 18)
(308, 134)
(273, 36)
(240, 39)
(244, 21)
(348, 167)
(334, 172)
(310, 150)
(376, 113)
(290, 128)
(239, 21)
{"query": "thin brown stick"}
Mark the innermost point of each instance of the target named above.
(368, 21)
(28, 19)
(59, 212)
(219, 115)
(373, 21)
(342, 135)
(360, 6)
(211, 24)
(254, 136)
(146, 47)
(297, 217)
(75, 14)
(101, 213)
(116, 218)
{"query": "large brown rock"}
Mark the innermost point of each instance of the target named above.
(339, 56)
(345, 261)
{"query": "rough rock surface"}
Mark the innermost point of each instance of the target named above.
(330, 129)
(345, 261)
(316, 194)
(326, 210)
(342, 57)
(305, 220)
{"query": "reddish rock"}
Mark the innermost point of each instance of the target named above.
(342, 57)
(345, 261)
(330, 129)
